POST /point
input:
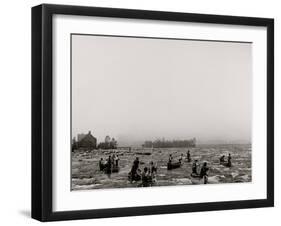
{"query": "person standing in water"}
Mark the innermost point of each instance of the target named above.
(222, 159)
(101, 164)
(153, 168)
(229, 160)
(113, 159)
(203, 172)
(194, 167)
(188, 156)
(135, 167)
(145, 177)
(181, 158)
(170, 158)
(136, 163)
(116, 160)
(109, 164)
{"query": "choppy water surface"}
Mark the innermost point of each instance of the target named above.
(86, 174)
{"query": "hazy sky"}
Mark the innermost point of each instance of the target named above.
(136, 89)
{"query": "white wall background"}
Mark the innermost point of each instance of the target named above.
(15, 113)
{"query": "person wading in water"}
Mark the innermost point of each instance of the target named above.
(109, 165)
(222, 159)
(188, 156)
(229, 164)
(135, 168)
(203, 172)
(194, 167)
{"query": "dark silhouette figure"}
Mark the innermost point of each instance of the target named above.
(153, 168)
(145, 177)
(116, 160)
(135, 167)
(194, 167)
(109, 165)
(170, 158)
(229, 164)
(181, 158)
(188, 156)
(222, 159)
(203, 172)
(101, 164)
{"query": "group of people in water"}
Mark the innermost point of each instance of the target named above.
(188, 158)
(111, 163)
(195, 166)
(148, 175)
(203, 174)
(196, 173)
(226, 163)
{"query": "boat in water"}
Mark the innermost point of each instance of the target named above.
(175, 165)
(107, 169)
(226, 164)
(197, 179)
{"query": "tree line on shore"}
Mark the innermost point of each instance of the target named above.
(169, 144)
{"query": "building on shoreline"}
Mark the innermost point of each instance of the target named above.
(85, 141)
(89, 142)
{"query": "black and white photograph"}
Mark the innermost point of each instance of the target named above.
(153, 111)
(145, 112)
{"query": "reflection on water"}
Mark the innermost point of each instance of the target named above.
(86, 174)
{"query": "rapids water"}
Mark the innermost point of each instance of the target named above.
(86, 174)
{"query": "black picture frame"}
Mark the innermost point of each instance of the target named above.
(42, 106)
